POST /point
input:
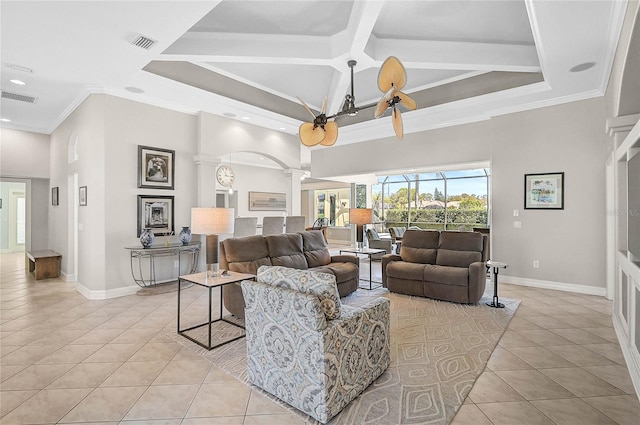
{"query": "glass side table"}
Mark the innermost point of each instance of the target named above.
(496, 265)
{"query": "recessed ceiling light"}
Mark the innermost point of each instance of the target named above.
(261, 158)
(282, 128)
(229, 114)
(246, 118)
(18, 82)
(5, 120)
(582, 67)
(134, 89)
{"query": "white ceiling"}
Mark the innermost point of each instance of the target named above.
(465, 60)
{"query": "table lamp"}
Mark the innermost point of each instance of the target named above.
(212, 222)
(360, 217)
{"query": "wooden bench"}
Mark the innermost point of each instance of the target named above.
(44, 264)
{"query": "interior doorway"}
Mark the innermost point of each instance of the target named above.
(17, 223)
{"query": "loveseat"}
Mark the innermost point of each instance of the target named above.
(305, 347)
(302, 250)
(444, 265)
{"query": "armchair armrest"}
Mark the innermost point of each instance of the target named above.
(344, 258)
(477, 281)
(386, 259)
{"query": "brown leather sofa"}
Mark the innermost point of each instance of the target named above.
(443, 265)
(303, 250)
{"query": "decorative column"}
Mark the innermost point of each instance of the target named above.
(295, 187)
(207, 183)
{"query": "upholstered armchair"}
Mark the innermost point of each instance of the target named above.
(305, 347)
(375, 241)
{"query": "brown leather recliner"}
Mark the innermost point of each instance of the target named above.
(303, 250)
(443, 265)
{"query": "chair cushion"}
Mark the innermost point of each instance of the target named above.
(323, 285)
(286, 250)
(315, 248)
(420, 246)
(372, 234)
(246, 254)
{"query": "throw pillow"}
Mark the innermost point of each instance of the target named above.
(323, 285)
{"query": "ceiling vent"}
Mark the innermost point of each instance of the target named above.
(143, 42)
(18, 97)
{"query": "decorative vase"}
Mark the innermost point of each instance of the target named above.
(147, 237)
(185, 235)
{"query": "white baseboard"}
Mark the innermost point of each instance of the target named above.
(548, 284)
(106, 294)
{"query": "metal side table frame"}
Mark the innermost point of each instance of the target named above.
(496, 265)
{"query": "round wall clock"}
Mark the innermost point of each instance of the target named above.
(225, 175)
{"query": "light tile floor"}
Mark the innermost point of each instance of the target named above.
(65, 359)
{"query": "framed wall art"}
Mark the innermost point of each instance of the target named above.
(156, 167)
(544, 191)
(55, 191)
(155, 213)
(267, 201)
(82, 196)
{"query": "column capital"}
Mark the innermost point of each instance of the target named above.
(206, 160)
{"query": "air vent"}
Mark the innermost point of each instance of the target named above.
(143, 42)
(18, 97)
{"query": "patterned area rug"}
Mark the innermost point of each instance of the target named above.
(438, 350)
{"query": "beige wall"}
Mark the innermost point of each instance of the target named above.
(24, 154)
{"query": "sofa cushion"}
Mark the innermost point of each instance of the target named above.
(315, 248)
(405, 270)
(459, 249)
(448, 257)
(420, 246)
(246, 254)
(461, 241)
(457, 276)
(286, 250)
(323, 285)
(342, 271)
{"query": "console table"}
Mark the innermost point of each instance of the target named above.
(138, 253)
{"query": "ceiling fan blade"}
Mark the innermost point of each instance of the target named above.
(407, 101)
(311, 135)
(397, 123)
(331, 131)
(324, 105)
(382, 106)
(392, 74)
(307, 108)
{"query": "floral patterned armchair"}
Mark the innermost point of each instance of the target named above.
(307, 349)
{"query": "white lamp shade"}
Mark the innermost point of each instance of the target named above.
(360, 216)
(210, 221)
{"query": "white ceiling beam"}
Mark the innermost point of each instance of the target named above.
(250, 45)
(350, 44)
(429, 54)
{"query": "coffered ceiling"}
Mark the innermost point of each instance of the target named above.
(251, 60)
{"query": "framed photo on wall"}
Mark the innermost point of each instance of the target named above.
(54, 196)
(82, 196)
(155, 213)
(267, 201)
(544, 191)
(156, 167)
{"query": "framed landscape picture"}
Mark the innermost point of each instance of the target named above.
(267, 201)
(544, 191)
(155, 213)
(156, 167)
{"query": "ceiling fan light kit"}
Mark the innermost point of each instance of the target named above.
(392, 77)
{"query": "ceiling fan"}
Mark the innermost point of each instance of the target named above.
(392, 77)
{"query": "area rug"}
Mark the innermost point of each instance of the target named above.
(438, 350)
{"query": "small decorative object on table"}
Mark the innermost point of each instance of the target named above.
(147, 237)
(185, 235)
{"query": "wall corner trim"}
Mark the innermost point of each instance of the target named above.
(106, 294)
